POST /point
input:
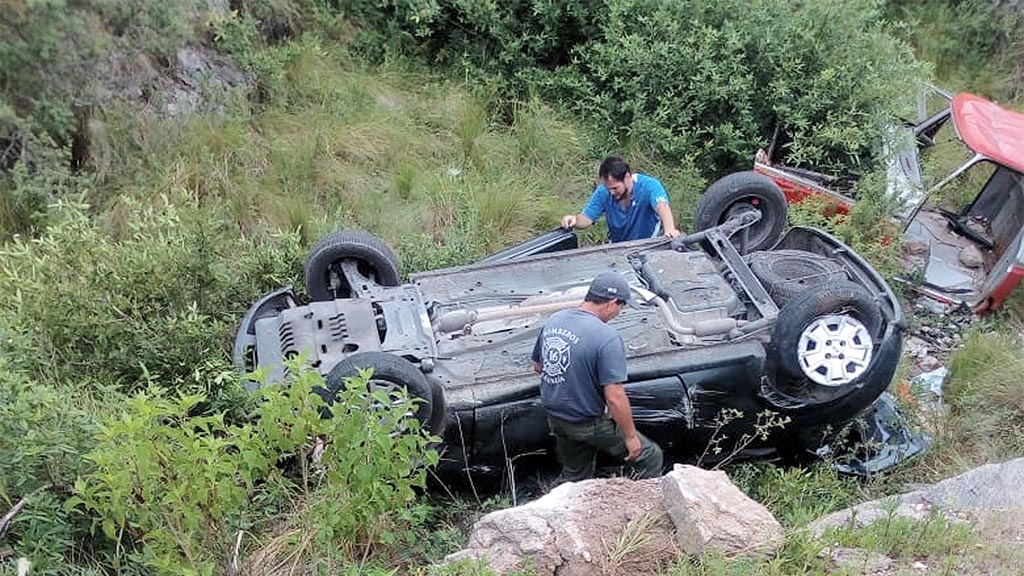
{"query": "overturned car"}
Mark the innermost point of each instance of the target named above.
(720, 338)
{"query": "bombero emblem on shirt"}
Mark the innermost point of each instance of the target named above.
(556, 358)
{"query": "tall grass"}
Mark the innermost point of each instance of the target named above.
(985, 398)
(421, 163)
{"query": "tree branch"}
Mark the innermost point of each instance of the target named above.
(6, 520)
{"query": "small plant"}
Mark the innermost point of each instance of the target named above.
(899, 537)
(634, 538)
(171, 488)
(767, 422)
(795, 495)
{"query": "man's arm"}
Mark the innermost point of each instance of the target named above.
(537, 367)
(668, 223)
(590, 213)
(618, 407)
(576, 221)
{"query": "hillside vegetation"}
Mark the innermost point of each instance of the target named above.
(142, 213)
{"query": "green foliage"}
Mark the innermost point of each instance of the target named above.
(46, 56)
(54, 55)
(156, 28)
(169, 480)
(42, 439)
(152, 297)
(975, 45)
(704, 82)
(986, 396)
(900, 537)
(869, 227)
(39, 176)
(796, 495)
(171, 487)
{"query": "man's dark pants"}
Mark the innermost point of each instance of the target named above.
(578, 443)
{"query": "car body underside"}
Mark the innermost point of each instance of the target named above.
(702, 364)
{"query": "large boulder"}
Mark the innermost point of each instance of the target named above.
(711, 514)
(621, 526)
(614, 526)
(978, 492)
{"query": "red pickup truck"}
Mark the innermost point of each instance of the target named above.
(969, 255)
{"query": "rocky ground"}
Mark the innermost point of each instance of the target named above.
(620, 526)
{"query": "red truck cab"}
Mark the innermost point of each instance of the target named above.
(970, 255)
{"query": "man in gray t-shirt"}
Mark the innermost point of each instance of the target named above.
(582, 364)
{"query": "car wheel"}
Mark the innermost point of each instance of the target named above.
(788, 273)
(740, 192)
(390, 372)
(344, 263)
(825, 338)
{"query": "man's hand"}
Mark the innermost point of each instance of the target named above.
(618, 408)
(569, 221)
(633, 448)
(668, 223)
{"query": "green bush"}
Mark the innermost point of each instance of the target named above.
(173, 489)
(795, 496)
(703, 81)
(153, 295)
(43, 434)
(976, 45)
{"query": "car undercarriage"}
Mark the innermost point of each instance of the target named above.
(719, 338)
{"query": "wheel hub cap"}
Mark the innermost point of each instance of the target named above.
(834, 350)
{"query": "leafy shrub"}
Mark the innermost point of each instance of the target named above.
(154, 296)
(172, 488)
(704, 81)
(39, 175)
(869, 227)
(795, 495)
(974, 44)
(43, 435)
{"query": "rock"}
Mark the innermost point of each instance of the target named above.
(989, 487)
(914, 247)
(929, 363)
(971, 257)
(711, 513)
(857, 561)
(201, 75)
(616, 526)
(915, 347)
(221, 8)
(195, 81)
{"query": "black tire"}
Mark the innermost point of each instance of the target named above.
(390, 372)
(786, 274)
(374, 258)
(834, 298)
(744, 191)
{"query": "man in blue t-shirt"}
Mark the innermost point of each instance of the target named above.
(582, 365)
(633, 204)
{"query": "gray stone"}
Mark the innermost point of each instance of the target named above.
(915, 347)
(989, 487)
(616, 526)
(929, 363)
(971, 257)
(711, 513)
(857, 561)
